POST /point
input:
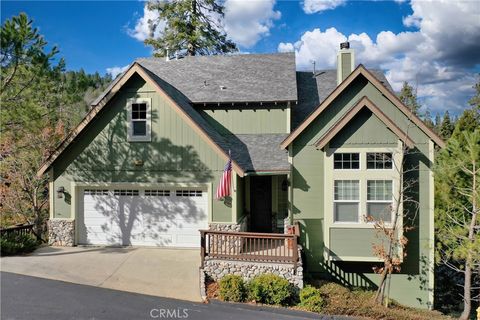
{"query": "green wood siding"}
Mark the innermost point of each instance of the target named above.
(176, 154)
(364, 130)
(352, 94)
(248, 119)
(352, 243)
(413, 284)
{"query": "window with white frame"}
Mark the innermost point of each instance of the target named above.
(346, 200)
(139, 125)
(346, 161)
(380, 200)
(379, 160)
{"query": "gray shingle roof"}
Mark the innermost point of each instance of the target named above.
(252, 152)
(245, 78)
(259, 152)
(313, 90)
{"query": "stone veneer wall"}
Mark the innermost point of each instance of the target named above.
(61, 232)
(233, 227)
(217, 269)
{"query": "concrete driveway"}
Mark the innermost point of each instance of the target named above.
(169, 273)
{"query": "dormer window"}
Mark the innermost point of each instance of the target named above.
(139, 119)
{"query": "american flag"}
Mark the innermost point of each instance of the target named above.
(223, 189)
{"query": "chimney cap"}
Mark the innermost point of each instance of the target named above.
(345, 45)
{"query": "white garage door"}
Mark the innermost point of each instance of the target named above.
(151, 217)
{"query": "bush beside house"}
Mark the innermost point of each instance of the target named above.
(232, 288)
(270, 289)
(320, 297)
(311, 299)
(11, 244)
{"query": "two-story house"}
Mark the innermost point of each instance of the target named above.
(320, 150)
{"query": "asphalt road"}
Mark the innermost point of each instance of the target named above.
(24, 297)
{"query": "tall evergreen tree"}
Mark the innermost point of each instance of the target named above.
(475, 100)
(447, 126)
(191, 26)
(438, 123)
(40, 103)
(409, 97)
(469, 121)
(457, 213)
(427, 119)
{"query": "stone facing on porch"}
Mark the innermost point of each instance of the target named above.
(61, 232)
(217, 269)
(232, 227)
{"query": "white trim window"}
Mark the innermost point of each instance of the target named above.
(139, 119)
(346, 200)
(379, 200)
(379, 160)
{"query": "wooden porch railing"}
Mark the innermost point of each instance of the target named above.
(17, 230)
(249, 246)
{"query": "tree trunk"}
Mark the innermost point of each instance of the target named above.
(467, 296)
(192, 46)
(467, 285)
(381, 287)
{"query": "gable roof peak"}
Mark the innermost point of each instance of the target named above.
(360, 70)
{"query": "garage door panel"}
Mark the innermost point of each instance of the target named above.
(159, 240)
(152, 217)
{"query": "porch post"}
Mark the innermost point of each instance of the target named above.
(290, 184)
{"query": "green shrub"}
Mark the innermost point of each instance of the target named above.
(232, 288)
(16, 244)
(270, 289)
(311, 299)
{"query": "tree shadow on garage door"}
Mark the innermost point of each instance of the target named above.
(103, 155)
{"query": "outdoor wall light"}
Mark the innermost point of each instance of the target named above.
(60, 192)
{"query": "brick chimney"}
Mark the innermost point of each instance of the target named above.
(345, 61)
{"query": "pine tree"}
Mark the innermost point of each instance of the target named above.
(40, 102)
(192, 26)
(409, 97)
(475, 100)
(447, 127)
(438, 123)
(457, 214)
(427, 119)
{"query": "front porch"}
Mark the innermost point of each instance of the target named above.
(260, 241)
(248, 254)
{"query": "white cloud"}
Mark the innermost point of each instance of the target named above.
(115, 71)
(439, 56)
(318, 46)
(142, 29)
(246, 22)
(314, 6)
(286, 47)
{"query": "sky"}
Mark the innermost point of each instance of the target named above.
(434, 45)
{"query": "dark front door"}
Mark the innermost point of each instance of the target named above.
(261, 203)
